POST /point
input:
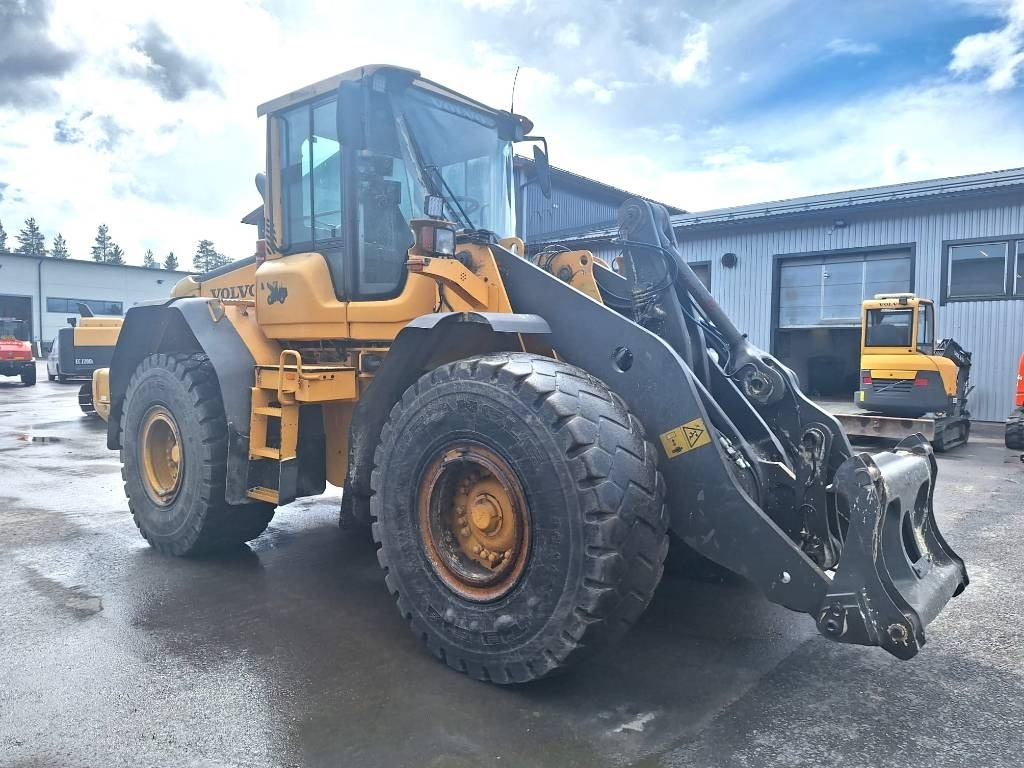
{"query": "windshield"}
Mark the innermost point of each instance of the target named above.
(460, 158)
(13, 329)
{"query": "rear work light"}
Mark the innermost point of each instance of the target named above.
(866, 380)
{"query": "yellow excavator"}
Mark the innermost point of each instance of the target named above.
(908, 382)
(517, 433)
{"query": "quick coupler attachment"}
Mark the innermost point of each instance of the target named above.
(895, 572)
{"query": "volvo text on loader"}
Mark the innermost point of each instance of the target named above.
(519, 433)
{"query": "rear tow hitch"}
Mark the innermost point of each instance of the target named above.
(896, 571)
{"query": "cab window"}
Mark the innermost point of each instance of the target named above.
(311, 189)
(925, 329)
(889, 327)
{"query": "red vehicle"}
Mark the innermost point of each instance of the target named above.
(15, 351)
(1015, 424)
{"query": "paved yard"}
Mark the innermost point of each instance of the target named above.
(290, 652)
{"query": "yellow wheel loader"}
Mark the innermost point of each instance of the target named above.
(908, 382)
(519, 433)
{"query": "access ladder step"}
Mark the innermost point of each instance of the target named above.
(264, 452)
(309, 383)
(260, 493)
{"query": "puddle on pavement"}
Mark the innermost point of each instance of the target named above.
(24, 439)
(74, 599)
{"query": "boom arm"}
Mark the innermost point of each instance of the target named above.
(759, 479)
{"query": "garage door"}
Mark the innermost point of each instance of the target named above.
(828, 290)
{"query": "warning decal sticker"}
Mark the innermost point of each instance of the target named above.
(686, 437)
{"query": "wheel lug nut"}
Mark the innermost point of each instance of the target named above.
(464, 532)
(477, 549)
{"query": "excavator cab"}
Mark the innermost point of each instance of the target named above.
(517, 432)
(906, 374)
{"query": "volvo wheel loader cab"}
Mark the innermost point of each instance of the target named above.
(908, 382)
(16, 357)
(519, 433)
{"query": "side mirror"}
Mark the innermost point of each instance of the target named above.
(543, 168)
(352, 113)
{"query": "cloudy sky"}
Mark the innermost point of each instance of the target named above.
(141, 114)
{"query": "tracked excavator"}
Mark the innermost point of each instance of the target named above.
(518, 433)
(909, 383)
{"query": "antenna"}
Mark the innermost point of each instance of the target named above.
(512, 107)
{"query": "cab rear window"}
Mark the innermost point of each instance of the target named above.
(889, 327)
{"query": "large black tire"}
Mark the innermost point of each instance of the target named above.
(28, 378)
(1015, 430)
(595, 512)
(182, 392)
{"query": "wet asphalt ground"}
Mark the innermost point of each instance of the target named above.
(289, 652)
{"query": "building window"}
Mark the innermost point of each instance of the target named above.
(70, 306)
(984, 269)
(702, 269)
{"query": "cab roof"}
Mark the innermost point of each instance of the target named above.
(330, 84)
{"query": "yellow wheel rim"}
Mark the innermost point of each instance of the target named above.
(474, 521)
(160, 450)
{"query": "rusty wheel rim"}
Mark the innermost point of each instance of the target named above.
(160, 449)
(474, 521)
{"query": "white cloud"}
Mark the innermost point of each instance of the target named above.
(840, 46)
(569, 35)
(490, 5)
(689, 67)
(587, 87)
(1000, 54)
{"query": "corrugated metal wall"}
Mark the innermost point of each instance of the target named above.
(569, 208)
(992, 330)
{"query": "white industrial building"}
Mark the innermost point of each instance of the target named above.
(45, 292)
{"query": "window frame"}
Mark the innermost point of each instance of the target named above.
(1013, 243)
(71, 306)
(695, 265)
(882, 312)
(289, 244)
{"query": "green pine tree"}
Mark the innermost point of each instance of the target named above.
(60, 248)
(3, 238)
(171, 261)
(116, 255)
(101, 250)
(149, 260)
(31, 240)
(207, 257)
